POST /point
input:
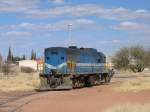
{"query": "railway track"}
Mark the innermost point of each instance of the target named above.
(6, 99)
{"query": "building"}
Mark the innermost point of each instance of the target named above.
(40, 65)
(28, 63)
(109, 63)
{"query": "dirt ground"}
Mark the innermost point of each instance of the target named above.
(93, 99)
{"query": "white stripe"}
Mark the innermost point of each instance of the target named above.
(61, 65)
(90, 64)
(50, 66)
(77, 64)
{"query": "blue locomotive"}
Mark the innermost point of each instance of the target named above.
(74, 67)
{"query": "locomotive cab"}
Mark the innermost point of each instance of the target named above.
(53, 58)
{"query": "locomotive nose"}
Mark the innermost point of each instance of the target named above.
(54, 71)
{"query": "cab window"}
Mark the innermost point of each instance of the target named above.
(54, 52)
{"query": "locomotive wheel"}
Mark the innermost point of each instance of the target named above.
(81, 81)
(107, 79)
(76, 85)
(75, 82)
(89, 81)
(97, 80)
(78, 82)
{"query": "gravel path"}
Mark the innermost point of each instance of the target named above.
(94, 99)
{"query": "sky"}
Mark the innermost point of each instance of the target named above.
(106, 25)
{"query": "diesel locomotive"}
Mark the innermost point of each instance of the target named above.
(72, 67)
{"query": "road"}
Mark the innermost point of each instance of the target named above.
(93, 99)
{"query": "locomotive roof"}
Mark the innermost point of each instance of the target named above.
(73, 48)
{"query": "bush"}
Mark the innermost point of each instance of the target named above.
(135, 58)
(147, 58)
(6, 69)
(10, 69)
(121, 59)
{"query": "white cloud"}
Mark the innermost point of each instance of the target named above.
(31, 9)
(58, 26)
(107, 42)
(57, 2)
(90, 10)
(130, 25)
(141, 11)
(17, 5)
(116, 41)
(133, 27)
(79, 23)
(30, 31)
(14, 34)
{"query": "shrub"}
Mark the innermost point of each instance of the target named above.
(135, 58)
(121, 59)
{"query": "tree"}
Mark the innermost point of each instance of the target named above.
(10, 56)
(33, 55)
(135, 58)
(16, 59)
(147, 57)
(24, 57)
(121, 59)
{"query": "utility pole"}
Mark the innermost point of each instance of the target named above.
(71, 61)
(70, 35)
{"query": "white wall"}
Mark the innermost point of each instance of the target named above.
(28, 63)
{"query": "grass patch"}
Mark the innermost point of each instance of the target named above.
(134, 85)
(130, 108)
(26, 82)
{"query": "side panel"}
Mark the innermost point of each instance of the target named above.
(88, 68)
(82, 68)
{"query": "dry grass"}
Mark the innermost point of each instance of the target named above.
(128, 74)
(134, 85)
(130, 108)
(21, 82)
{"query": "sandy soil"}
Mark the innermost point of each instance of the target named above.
(94, 99)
